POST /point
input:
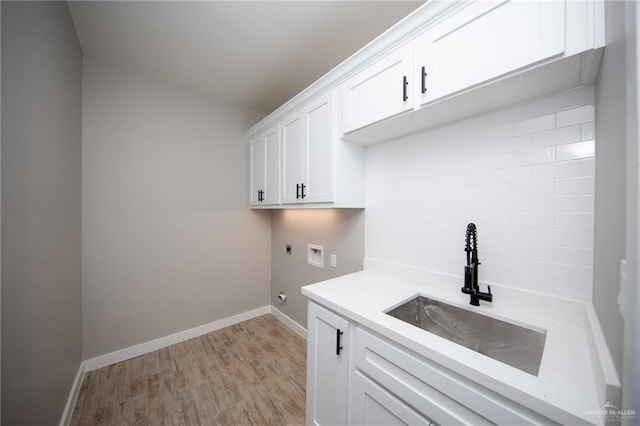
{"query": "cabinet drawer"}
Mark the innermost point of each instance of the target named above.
(372, 405)
(436, 392)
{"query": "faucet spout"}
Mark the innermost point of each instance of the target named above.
(471, 286)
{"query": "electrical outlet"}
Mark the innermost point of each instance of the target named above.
(334, 261)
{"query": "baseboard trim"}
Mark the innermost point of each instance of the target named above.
(297, 328)
(73, 396)
(172, 339)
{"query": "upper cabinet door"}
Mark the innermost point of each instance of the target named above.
(321, 134)
(293, 153)
(485, 40)
(307, 153)
(258, 170)
(271, 194)
(380, 91)
(265, 168)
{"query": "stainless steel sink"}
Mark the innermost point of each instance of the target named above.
(511, 344)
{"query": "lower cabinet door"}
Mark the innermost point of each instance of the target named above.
(327, 367)
(372, 405)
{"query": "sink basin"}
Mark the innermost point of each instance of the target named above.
(517, 346)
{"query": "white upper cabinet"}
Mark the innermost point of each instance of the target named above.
(308, 140)
(486, 40)
(293, 154)
(265, 168)
(306, 160)
(322, 136)
(380, 91)
(446, 61)
(481, 55)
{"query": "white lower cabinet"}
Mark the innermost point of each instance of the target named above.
(327, 367)
(373, 405)
(375, 381)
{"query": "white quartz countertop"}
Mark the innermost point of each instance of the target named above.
(564, 390)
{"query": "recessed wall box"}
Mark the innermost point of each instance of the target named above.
(315, 255)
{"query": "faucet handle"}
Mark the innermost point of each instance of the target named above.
(489, 289)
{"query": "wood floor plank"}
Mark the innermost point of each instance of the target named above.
(251, 373)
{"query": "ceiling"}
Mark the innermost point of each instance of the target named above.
(255, 54)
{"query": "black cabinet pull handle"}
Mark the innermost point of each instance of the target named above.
(303, 187)
(261, 195)
(424, 80)
(297, 190)
(338, 338)
(405, 83)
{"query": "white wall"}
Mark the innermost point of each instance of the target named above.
(524, 175)
(41, 210)
(168, 240)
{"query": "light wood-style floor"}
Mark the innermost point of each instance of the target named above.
(250, 373)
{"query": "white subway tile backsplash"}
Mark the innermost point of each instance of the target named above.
(588, 167)
(496, 248)
(532, 251)
(512, 174)
(534, 156)
(498, 161)
(503, 205)
(570, 289)
(575, 116)
(587, 131)
(510, 234)
(557, 170)
(495, 275)
(533, 188)
(494, 190)
(557, 136)
(582, 221)
(533, 125)
(523, 175)
(573, 256)
(575, 151)
(587, 203)
(533, 220)
(506, 264)
(563, 237)
(561, 272)
(501, 131)
(557, 204)
(575, 186)
(519, 143)
(489, 219)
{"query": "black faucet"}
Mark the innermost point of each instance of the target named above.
(471, 270)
